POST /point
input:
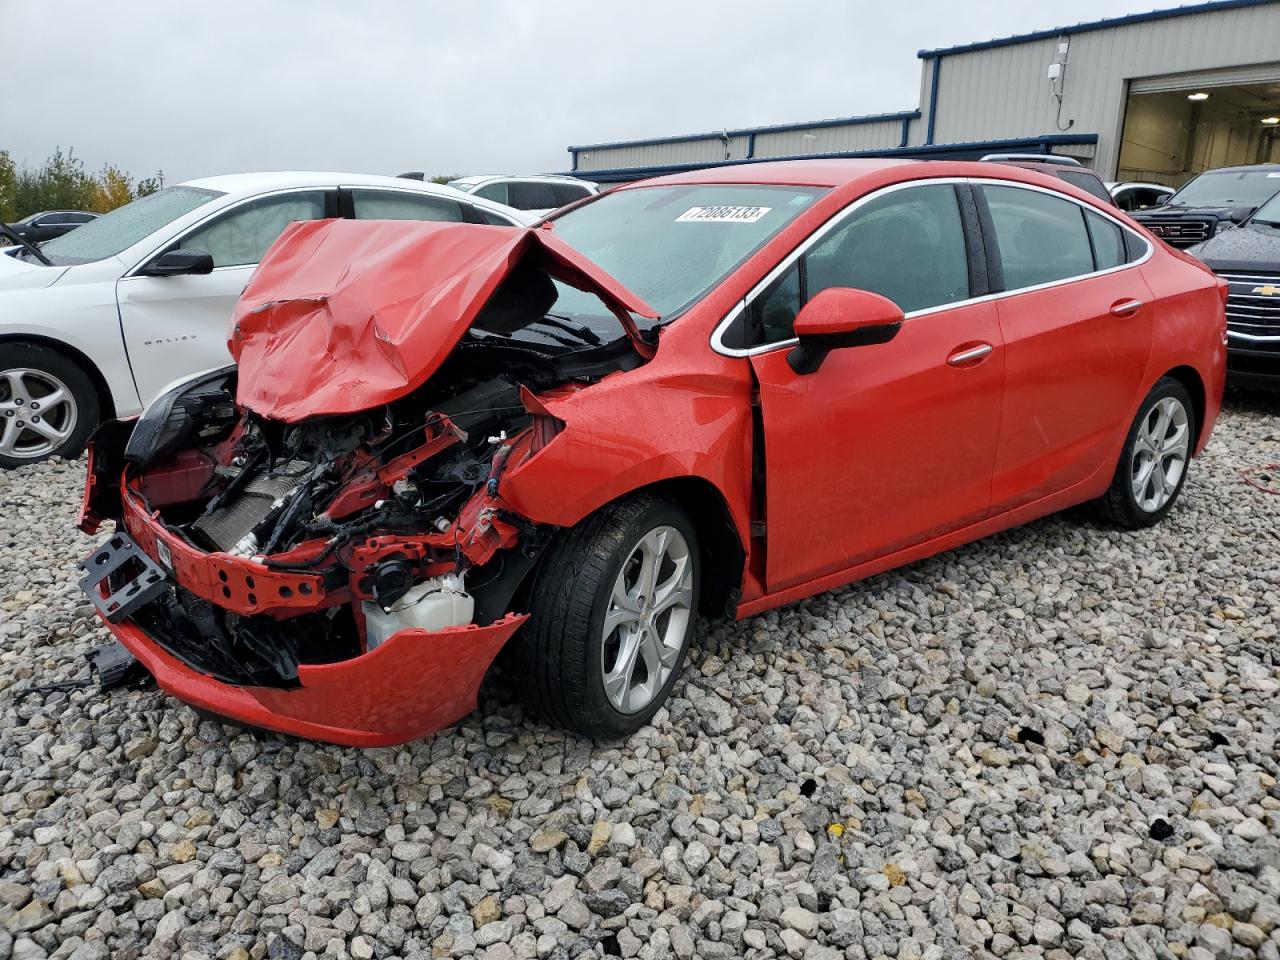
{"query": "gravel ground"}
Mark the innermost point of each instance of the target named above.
(1060, 742)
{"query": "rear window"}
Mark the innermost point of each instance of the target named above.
(1086, 182)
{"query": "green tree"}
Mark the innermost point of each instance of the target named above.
(8, 188)
(445, 178)
(62, 183)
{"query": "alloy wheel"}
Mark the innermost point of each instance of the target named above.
(37, 413)
(1160, 452)
(645, 623)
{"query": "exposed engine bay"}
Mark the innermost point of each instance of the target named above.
(284, 544)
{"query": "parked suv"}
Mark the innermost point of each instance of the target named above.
(1248, 258)
(1064, 168)
(537, 194)
(48, 224)
(1214, 199)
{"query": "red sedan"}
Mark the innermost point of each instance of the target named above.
(705, 394)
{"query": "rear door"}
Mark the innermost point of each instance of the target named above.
(1076, 322)
(176, 326)
(886, 445)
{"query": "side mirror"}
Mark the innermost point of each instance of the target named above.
(841, 317)
(177, 263)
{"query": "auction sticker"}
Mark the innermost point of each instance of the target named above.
(723, 214)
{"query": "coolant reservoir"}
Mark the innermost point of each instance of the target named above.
(431, 605)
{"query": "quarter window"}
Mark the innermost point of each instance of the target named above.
(243, 235)
(907, 245)
(1108, 243)
(1041, 238)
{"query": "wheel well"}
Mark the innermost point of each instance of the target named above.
(106, 404)
(1190, 378)
(722, 554)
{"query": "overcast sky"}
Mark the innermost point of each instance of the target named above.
(233, 85)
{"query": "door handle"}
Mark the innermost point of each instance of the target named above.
(1126, 308)
(969, 355)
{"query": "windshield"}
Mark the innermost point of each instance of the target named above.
(671, 245)
(1222, 188)
(120, 229)
(1269, 212)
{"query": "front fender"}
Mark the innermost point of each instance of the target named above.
(620, 438)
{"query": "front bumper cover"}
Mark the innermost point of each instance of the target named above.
(413, 684)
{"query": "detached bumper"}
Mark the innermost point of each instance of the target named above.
(414, 684)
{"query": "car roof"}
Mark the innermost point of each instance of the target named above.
(277, 180)
(1242, 168)
(846, 172)
(485, 178)
(249, 184)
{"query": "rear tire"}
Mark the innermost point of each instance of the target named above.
(613, 608)
(1153, 465)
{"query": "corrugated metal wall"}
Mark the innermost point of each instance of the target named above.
(1003, 91)
(704, 150)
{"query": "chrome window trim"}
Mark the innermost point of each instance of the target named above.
(717, 335)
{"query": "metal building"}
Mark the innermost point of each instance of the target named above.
(1153, 96)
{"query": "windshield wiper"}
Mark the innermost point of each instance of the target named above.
(581, 331)
(22, 242)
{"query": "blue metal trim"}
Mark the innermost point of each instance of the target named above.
(1089, 26)
(933, 99)
(906, 133)
(747, 131)
(956, 151)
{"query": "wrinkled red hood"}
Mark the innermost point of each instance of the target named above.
(345, 315)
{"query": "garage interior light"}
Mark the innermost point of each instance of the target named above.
(1271, 121)
(1198, 96)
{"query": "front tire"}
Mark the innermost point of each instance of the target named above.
(1153, 465)
(48, 406)
(614, 607)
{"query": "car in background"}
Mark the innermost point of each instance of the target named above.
(540, 193)
(39, 227)
(94, 323)
(711, 393)
(1248, 258)
(1068, 169)
(1214, 200)
(1133, 195)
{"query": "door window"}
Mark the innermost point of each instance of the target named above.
(1041, 238)
(497, 192)
(398, 205)
(242, 236)
(570, 193)
(907, 245)
(531, 195)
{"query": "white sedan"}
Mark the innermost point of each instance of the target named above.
(94, 323)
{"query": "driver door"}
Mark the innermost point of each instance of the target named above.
(177, 326)
(891, 444)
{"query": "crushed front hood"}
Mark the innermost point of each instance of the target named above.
(345, 315)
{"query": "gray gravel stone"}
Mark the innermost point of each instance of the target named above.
(850, 776)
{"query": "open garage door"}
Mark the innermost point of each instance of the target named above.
(1179, 125)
